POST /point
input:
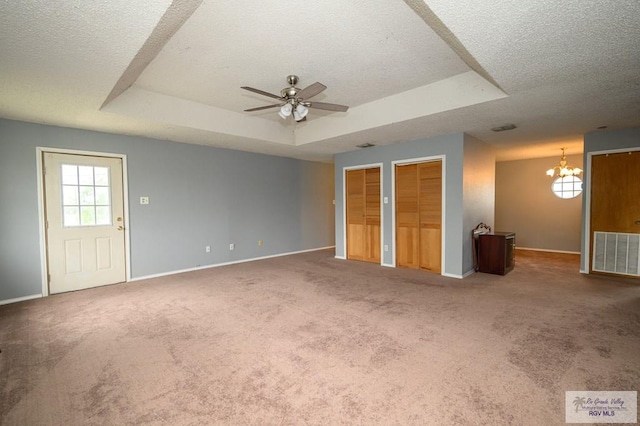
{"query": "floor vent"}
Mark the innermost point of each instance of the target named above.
(616, 253)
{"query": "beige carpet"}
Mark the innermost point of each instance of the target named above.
(308, 339)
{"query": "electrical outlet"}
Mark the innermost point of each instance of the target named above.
(232, 246)
(144, 200)
(259, 243)
(207, 249)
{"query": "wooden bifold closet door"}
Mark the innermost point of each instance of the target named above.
(419, 215)
(363, 214)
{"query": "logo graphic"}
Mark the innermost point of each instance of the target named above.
(601, 406)
(579, 402)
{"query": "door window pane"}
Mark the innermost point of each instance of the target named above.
(70, 195)
(88, 215)
(103, 215)
(86, 195)
(69, 174)
(102, 196)
(102, 176)
(85, 174)
(71, 216)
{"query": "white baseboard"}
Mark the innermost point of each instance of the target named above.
(446, 274)
(388, 265)
(217, 265)
(20, 299)
(340, 257)
(547, 250)
(468, 273)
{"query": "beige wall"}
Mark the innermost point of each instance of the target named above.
(526, 205)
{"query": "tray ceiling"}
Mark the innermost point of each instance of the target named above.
(413, 69)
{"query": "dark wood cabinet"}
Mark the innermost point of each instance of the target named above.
(497, 252)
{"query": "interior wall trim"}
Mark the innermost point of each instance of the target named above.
(20, 299)
(548, 250)
(234, 262)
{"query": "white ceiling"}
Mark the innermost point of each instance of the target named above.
(407, 69)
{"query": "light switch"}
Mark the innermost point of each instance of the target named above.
(386, 200)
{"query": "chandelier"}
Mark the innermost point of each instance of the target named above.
(563, 169)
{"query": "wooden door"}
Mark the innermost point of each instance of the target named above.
(363, 214)
(84, 216)
(355, 214)
(407, 216)
(615, 194)
(419, 216)
(372, 215)
(430, 206)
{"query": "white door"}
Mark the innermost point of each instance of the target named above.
(84, 213)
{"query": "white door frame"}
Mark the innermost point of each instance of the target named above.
(44, 267)
(443, 238)
(585, 264)
(344, 205)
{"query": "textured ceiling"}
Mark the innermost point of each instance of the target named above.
(173, 70)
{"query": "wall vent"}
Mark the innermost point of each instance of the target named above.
(616, 253)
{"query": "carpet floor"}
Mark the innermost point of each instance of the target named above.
(312, 340)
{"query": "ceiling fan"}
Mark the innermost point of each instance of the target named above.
(295, 101)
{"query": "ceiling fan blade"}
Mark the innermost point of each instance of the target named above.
(328, 107)
(262, 107)
(261, 92)
(311, 91)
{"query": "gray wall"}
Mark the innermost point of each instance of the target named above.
(198, 196)
(526, 205)
(478, 192)
(603, 141)
(457, 237)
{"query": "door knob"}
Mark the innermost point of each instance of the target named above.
(637, 222)
(120, 228)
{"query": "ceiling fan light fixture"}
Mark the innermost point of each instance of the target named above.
(285, 110)
(300, 112)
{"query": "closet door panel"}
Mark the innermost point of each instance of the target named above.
(372, 215)
(407, 216)
(430, 253)
(407, 247)
(430, 176)
(355, 215)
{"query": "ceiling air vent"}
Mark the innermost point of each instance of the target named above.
(365, 145)
(503, 128)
